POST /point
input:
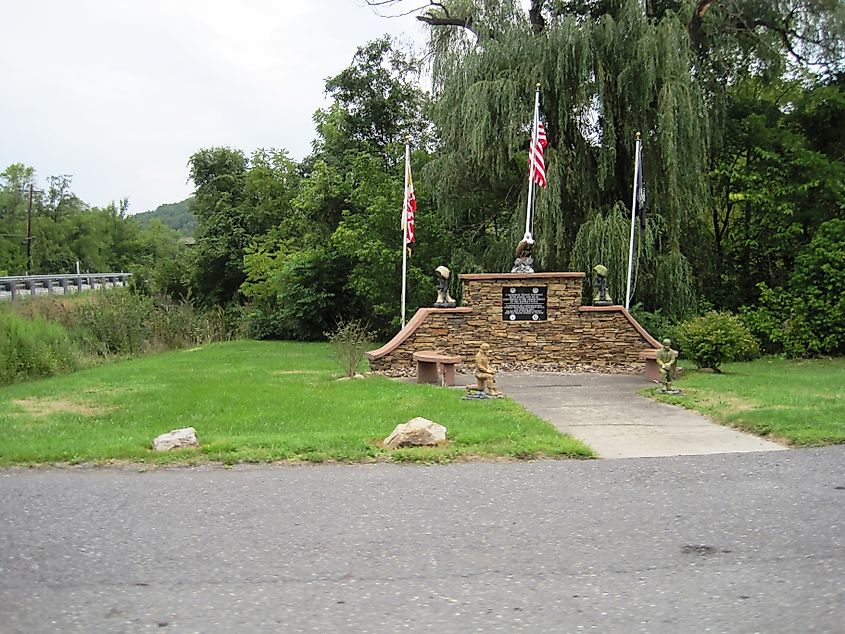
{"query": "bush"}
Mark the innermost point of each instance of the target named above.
(808, 318)
(349, 342)
(171, 277)
(113, 322)
(655, 322)
(33, 348)
(121, 322)
(715, 338)
(176, 325)
(265, 323)
(298, 296)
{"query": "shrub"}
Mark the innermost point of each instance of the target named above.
(114, 321)
(297, 296)
(655, 322)
(32, 348)
(349, 342)
(173, 326)
(808, 318)
(121, 322)
(43, 336)
(176, 325)
(715, 338)
(171, 277)
(265, 323)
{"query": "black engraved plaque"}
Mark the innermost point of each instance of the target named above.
(524, 303)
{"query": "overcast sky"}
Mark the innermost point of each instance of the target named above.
(119, 94)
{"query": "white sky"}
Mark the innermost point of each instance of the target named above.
(120, 93)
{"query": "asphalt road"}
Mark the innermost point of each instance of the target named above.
(747, 542)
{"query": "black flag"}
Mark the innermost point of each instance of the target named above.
(641, 206)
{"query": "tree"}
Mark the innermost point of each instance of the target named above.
(237, 200)
(377, 100)
(603, 79)
(771, 188)
(608, 69)
(343, 261)
(806, 317)
(65, 230)
(14, 182)
(60, 200)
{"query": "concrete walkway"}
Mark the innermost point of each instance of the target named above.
(606, 413)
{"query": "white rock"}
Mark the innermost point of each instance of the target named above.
(416, 432)
(176, 439)
(357, 375)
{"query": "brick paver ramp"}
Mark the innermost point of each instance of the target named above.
(606, 412)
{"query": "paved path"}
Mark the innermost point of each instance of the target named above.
(606, 413)
(729, 543)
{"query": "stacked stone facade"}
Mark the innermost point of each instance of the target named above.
(572, 337)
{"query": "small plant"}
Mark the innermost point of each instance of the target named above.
(33, 348)
(114, 321)
(349, 340)
(655, 323)
(715, 338)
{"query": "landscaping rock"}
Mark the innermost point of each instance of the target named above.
(415, 433)
(176, 439)
(358, 375)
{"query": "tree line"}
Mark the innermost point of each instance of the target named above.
(740, 105)
(62, 230)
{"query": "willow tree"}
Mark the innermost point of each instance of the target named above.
(605, 75)
(608, 69)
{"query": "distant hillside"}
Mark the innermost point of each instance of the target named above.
(177, 216)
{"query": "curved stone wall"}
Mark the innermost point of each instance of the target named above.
(567, 337)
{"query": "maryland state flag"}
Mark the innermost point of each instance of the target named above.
(409, 206)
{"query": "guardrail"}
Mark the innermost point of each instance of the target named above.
(31, 285)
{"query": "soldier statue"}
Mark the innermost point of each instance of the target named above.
(485, 376)
(666, 363)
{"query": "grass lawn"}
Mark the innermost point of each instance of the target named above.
(253, 402)
(799, 402)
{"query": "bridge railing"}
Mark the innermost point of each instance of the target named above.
(30, 285)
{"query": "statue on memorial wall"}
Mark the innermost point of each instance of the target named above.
(444, 300)
(666, 363)
(524, 262)
(602, 297)
(485, 376)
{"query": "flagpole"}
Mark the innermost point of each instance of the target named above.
(405, 232)
(529, 212)
(633, 221)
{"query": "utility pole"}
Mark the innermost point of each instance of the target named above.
(29, 238)
(29, 232)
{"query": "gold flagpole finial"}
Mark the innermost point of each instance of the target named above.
(538, 85)
(638, 136)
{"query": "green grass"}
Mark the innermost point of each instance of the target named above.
(799, 402)
(253, 402)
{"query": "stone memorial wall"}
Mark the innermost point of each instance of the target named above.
(532, 321)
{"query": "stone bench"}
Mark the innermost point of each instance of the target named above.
(433, 367)
(652, 370)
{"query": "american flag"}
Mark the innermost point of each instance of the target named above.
(409, 206)
(536, 163)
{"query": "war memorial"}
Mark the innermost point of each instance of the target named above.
(532, 321)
